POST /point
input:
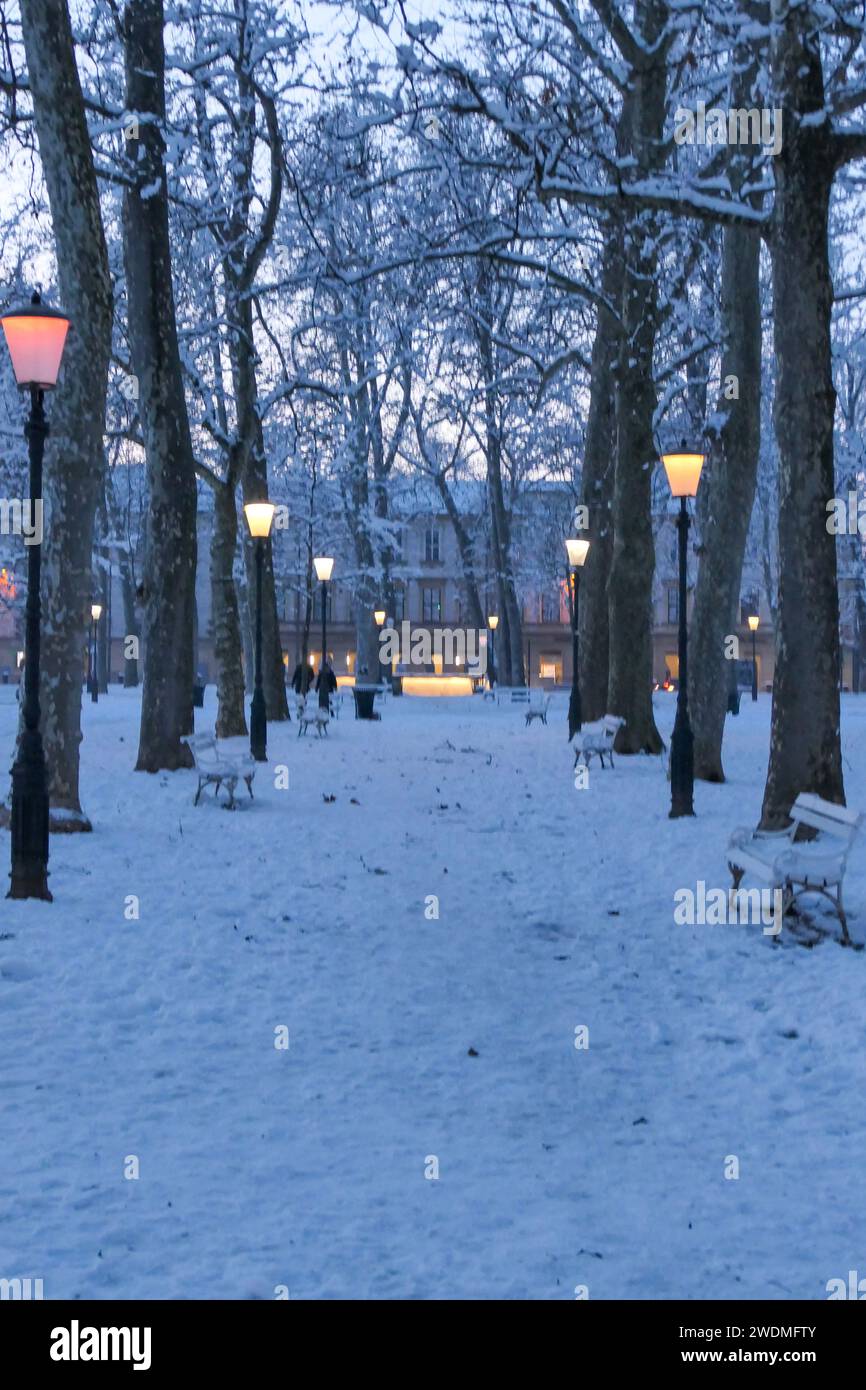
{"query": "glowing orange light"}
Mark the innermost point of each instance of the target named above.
(35, 336)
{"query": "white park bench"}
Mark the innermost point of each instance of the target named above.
(512, 694)
(310, 714)
(596, 739)
(539, 704)
(216, 770)
(807, 866)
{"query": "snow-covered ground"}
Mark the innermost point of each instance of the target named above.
(305, 1167)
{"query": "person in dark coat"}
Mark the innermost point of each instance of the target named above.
(302, 678)
(327, 671)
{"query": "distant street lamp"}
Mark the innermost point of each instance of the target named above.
(754, 620)
(492, 623)
(259, 517)
(683, 469)
(35, 336)
(577, 552)
(324, 565)
(95, 615)
(379, 619)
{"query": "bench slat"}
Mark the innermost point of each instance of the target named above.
(838, 830)
(810, 802)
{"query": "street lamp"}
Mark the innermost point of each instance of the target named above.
(683, 469)
(754, 620)
(379, 617)
(35, 336)
(324, 566)
(259, 517)
(577, 552)
(492, 623)
(95, 615)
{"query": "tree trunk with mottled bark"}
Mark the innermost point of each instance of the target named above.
(597, 491)
(74, 460)
(231, 716)
(131, 627)
(731, 473)
(476, 614)
(633, 558)
(170, 559)
(805, 750)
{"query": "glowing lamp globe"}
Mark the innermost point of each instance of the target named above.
(260, 516)
(753, 622)
(36, 337)
(493, 621)
(379, 617)
(577, 553)
(96, 611)
(323, 566)
(684, 471)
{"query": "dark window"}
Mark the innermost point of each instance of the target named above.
(673, 605)
(431, 543)
(399, 604)
(431, 604)
(550, 608)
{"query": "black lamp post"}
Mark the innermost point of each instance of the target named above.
(324, 566)
(95, 615)
(35, 336)
(754, 620)
(577, 552)
(492, 623)
(259, 517)
(683, 469)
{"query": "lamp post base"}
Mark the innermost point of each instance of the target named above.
(258, 726)
(682, 770)
(29, 821)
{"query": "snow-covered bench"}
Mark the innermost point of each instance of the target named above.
(808, 866)
(216, 770)
(596, 739)
(512, 694)
(311, 713)
(539, 704)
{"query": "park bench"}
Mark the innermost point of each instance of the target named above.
(310, 713)
(804, 866)
(513, 695)
(216, 770)
(596, 739)
(539, 704)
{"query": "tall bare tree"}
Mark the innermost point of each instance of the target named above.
(170, 557)
(75, 458)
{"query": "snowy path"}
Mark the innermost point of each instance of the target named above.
(305, 1168)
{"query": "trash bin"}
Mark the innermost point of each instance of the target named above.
(396, 685)
(364, 697)
(198, 696)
